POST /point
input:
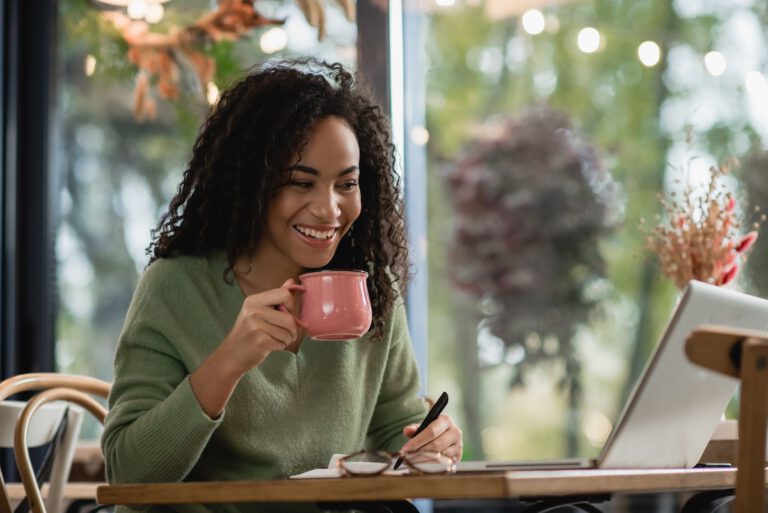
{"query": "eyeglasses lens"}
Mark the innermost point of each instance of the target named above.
(366, 463)
(430, 462)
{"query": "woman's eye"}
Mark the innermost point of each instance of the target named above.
(301, 184)
(348, 186)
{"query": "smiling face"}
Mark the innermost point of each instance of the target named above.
(312, 211)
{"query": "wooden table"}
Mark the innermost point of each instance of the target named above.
(513, 484)
(72, 491)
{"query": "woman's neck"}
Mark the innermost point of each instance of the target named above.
(256, 275)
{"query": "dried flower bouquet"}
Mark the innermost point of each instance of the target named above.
(701, 237)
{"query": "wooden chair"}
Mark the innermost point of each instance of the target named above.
(55, 425)
(742, 354)
(53, 387)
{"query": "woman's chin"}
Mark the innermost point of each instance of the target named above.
(315, 262)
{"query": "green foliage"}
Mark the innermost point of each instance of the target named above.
(228, 67)
(85, 31)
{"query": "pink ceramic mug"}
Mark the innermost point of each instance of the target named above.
(335, 304)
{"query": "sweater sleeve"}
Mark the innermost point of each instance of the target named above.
(155, 430)
(399, 403)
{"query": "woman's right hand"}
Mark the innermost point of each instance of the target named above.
(260, 328)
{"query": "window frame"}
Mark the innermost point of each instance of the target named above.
(29, 193)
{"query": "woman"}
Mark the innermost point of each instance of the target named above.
(292, 171)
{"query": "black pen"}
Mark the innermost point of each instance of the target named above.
(433, 413)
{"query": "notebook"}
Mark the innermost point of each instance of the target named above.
(675, 406)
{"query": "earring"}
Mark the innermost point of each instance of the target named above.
(351, 238)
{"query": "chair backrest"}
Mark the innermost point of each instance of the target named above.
(53, 387)
(43, 428)
(741, 354)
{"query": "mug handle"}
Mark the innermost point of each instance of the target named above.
(282, 308)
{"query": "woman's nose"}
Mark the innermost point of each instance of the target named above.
(325, 205)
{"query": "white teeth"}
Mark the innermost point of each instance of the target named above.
(309, 232)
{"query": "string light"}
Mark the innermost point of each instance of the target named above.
(649, 53)
(588, 40)
(533, 21)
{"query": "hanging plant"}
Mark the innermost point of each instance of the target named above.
(531, 203)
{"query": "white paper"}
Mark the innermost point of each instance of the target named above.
(318, 473)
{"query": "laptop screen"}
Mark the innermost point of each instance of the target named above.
(676, 405)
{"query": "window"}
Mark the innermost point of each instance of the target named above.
(543, 302)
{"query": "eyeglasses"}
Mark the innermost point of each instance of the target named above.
(371, 463)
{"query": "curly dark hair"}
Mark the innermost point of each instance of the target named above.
(241, 157)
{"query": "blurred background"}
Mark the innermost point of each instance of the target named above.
(536, 138)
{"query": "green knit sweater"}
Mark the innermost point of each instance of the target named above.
(286, 416)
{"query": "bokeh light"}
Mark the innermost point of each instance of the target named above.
(137, 9)
(419, 135)
(212, 93)
(588, 40)
(90, 65)
(596, 427)
(649, 53)
(533, 21)
(715, 63)
(273, 40)
(154, 13)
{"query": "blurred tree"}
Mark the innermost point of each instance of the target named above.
(531, 201)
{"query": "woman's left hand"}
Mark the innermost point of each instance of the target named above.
(442, 436)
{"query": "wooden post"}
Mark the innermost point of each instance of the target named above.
(741, 354)
(753, 415)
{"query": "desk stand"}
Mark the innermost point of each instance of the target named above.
(743, 355)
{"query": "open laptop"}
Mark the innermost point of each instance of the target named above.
(675, 405)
